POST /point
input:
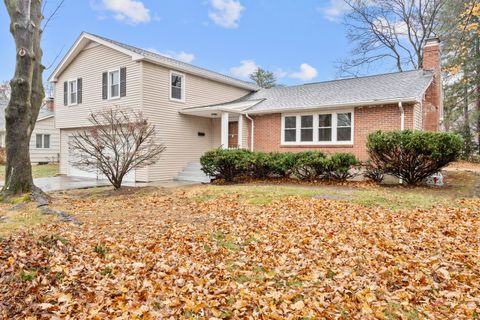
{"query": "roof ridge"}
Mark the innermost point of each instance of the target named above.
(172, 59)
(346, 79)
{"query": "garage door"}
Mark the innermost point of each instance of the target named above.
(76, 172)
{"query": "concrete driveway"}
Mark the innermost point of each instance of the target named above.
(59, 183)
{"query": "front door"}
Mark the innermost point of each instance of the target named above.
(233, 134)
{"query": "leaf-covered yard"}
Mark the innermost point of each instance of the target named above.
(185, 254)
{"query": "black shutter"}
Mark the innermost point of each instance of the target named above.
(65, 93)
(105, 86)
(79, 90)
(123, 82)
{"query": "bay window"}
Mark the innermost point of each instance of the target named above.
(318, 128)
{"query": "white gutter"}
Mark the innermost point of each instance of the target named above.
(334, 106)
(402, 116)
(252, 130)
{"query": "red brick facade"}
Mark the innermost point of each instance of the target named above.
(267, 133)
(432, 104)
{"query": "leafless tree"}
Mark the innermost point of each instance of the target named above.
(117, 142)
(389, 30)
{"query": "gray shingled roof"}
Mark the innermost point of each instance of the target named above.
(180, 64)
(400, 86)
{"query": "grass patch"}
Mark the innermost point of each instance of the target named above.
(388, 197)
(38, 171)
(24, 219)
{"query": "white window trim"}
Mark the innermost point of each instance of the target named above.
(69, 99)
(184, 86)
(42, 140)
(315, 141)
(109, 84)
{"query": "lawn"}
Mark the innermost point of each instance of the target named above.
(38, 171)
(250, 252)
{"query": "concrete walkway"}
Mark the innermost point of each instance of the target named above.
(59, 183)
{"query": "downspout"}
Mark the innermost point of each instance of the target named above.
(252, 130)
(402, 126)
(402, 116)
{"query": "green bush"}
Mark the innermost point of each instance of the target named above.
(260, 165)
(229, 164)
(339, 166)
(309, 165)
(413, 155)
(283, 163)
(225, 164)
(373, 173)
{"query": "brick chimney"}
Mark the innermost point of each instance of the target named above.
(433, 100)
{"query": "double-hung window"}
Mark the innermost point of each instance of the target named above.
(72, 92)
(42, 141)
(344, 126)
(290, 129)
(306, 130)
(177, 86)
(114, 84)
(324, 127)
(320, 128)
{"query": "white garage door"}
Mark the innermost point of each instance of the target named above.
(76, 172)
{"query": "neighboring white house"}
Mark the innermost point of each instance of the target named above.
(45, 141)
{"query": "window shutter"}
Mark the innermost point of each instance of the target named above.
(79, 90)
(105, 86)
(123, 82)
(65, 93)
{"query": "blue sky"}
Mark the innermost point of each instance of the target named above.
(299, 40)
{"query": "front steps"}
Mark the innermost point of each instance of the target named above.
(193, 172)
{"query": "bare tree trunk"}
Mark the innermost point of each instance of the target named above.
(26, 96)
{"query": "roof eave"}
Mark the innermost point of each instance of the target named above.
(232, 82)
(76, 49)
(336, 106)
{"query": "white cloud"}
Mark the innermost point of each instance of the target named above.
(279, 73)
(307, 72)
(335, 10)
(130, 11)
(246, 68)
(180, 55)
(226, 13)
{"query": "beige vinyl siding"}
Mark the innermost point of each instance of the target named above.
(216, 132)
(89, 65)
(178, 132)
(46, 126)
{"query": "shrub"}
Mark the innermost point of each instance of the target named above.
(309, 165)
(225, 164)
(283, 163)
(373, 173)
(413, 155)
(260, 165)
(339, 166)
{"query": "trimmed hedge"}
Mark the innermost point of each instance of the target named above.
(229, 164)
(413, 155)
(225, 164)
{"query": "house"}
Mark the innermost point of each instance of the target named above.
(195, 109)
(45, 140)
